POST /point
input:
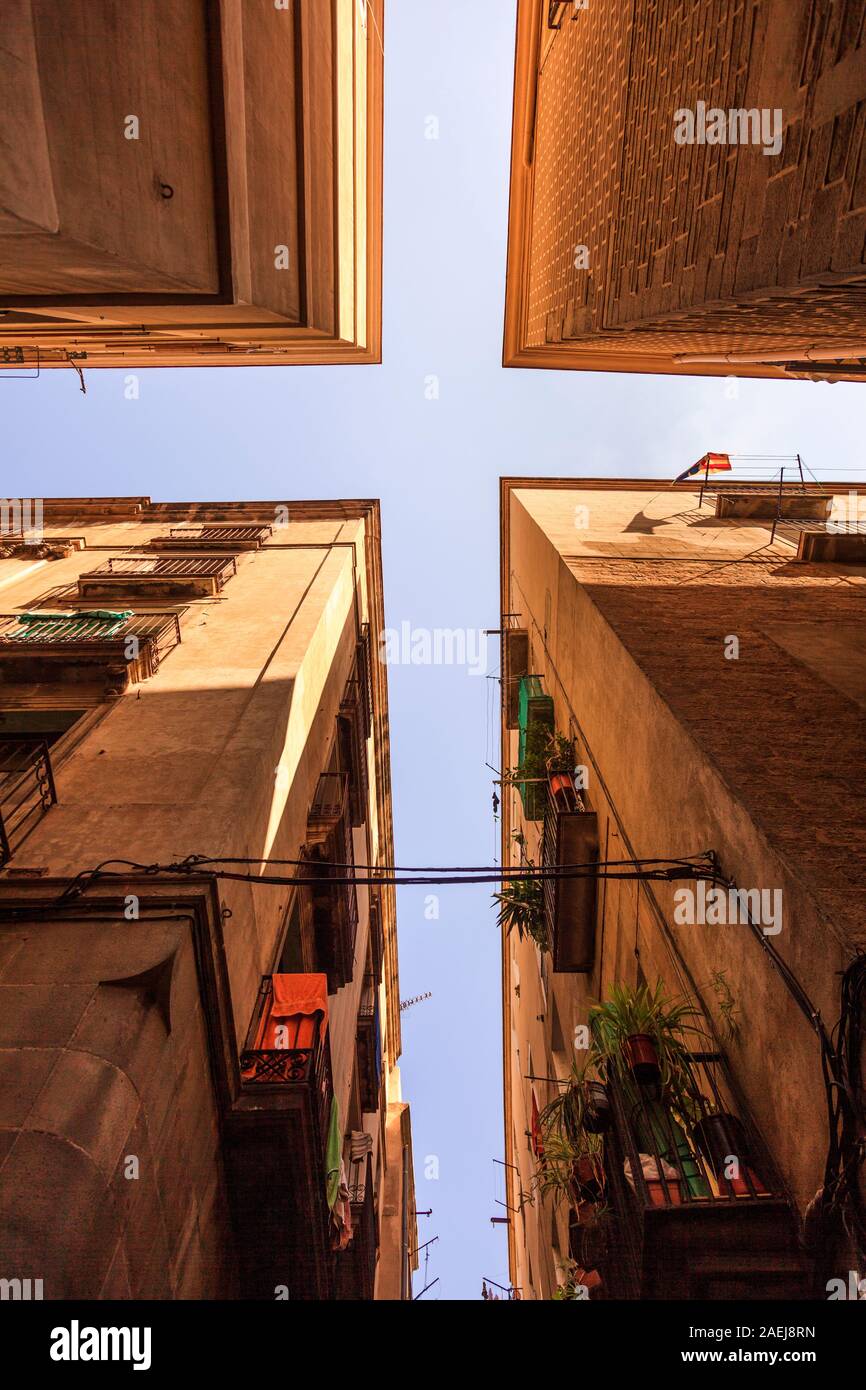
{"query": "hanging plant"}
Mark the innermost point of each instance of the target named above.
(521, 909)
(573, 1149)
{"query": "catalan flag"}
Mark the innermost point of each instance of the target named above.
(710, 463)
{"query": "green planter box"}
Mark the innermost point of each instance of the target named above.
(535, 719)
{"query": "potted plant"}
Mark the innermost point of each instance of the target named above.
(560, 772)
(596, 1107)
(721, 1138)
(577, 1284)
(521, 909)
(588, 1229)
(644, 1034)
(573, 1153)
(548, 763)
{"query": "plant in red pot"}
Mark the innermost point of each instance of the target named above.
(560, 773)
(724, 1145)
(645, 1035)
(573, 1144)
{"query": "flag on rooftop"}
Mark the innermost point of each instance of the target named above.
(710, 463)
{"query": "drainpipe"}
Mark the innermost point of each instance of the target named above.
(405, 1275)
(807, 354)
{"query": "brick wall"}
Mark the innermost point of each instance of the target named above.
(699, 248)
(780, 722)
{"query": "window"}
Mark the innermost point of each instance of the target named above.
(36, 725)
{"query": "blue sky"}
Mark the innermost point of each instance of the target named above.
(372, 431)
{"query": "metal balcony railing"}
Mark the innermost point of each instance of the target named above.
(369, 1046)
(333, 896)
(27, 791)
(91, 633)
(356, 1272)
(353, 749)
(666, 1157)
(328, 806)
(364, 673)
(131, 566)
(141, 574)
(213, 537)
(570, 836)
(304, 1062)
(377, 936)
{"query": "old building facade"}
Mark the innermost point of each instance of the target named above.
(706, 681)
(688, 188)
(201, 1096)
(190, 184)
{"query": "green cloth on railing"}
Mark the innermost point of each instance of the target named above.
(669, 1141)
(87, 622)
(333, 1155)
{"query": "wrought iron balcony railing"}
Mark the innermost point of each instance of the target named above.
(696, 1204)
(27, 792)
(276, 1142)
(570, 837)
(132, 645)
(353, 749)
(212, 538)
(356, 1267)
(364, 672)
(333, 896)
(369, 1046)
(144, 574)
(303, 1059)
(377, 935)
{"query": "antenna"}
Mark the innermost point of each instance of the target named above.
(418, 999)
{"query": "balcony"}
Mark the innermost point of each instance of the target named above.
(233, 538)
(535, 721)
(364, 674)
(839, 543)
(353, 749)
(356, 1267)
(570, 837)
(517, 657)
(287, 1043)
(377, 936)
(333, 895)
(118, 648)
(26, 792)
(145, 577)
(770, 503)
(277, 1139)
(696, 1208)
(368, 1045)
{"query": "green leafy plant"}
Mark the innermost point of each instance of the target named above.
(545, 751)
(521, 909)
(668, 1022)
(560, 753)
(567, 1145)
(568, 1290)
(727, 1003)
